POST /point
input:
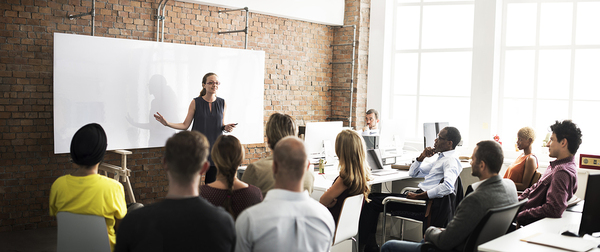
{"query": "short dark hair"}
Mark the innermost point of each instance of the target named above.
(185, 153)
(278, 127)
(453, 135)
(491, 154)
(373, 111)
(569, 130)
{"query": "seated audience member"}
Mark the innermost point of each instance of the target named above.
(260, 173)
(354, 172)
(85, 191)
(228, 191)
(372, 120)
(183, 221)
(522, 170)
(439, 181)
(288, 219)
(491, 191)
(549, 196)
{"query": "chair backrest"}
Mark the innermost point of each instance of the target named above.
(494, 224)
(79, 232)
(347, 226)
(535, 178)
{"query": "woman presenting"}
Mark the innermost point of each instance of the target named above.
(207, 111)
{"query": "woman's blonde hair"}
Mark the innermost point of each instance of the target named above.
(227, 154)
(354, 170)
(203, 92)
(527, 132)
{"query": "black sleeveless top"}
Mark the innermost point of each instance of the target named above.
(337, 208)
(209, 122)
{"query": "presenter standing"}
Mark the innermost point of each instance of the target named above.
(207, 111)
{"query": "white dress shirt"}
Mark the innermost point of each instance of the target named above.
(285, 221)
(446, 166)
(371, 132)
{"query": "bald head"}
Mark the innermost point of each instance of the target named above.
(289, 156)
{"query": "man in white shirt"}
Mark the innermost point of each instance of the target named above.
(372, 119)
(288, 219)
(439, 181)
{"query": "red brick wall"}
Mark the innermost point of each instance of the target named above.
(298, 77)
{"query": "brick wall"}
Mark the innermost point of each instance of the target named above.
(298, 77)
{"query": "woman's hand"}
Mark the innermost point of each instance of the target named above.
(160, 119)
(229, 127)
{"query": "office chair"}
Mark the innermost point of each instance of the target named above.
(347, 226)
(438, 212)
(494, 224)
(79, 232)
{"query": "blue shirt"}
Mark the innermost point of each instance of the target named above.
(446, 166)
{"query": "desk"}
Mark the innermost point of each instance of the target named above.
(511, 242)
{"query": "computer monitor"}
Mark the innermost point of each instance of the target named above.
(374, 159)
(430, 132)
(590, 218)
(372, 142)
(319, 137)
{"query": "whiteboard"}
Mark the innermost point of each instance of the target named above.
(121, 83)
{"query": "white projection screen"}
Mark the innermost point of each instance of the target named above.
(121, 83)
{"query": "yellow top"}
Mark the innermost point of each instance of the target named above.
(93, 195)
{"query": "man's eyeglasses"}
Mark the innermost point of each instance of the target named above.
(213, 83)
(439, 137)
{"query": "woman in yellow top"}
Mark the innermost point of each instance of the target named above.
(522, 170)
(354, 172)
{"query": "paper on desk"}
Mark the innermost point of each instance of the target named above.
(560, 241)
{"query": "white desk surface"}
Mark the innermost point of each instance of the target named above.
(511, 242)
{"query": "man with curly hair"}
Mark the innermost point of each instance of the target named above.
(549, 196)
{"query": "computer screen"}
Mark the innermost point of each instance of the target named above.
(372, 142)
(590, 218)
(320, 134)
(374, 159)
(430, 132)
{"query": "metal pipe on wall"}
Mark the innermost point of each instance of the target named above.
(162, 39)
(351, 72)
(91, 13)
(245, 30)
(158, 18)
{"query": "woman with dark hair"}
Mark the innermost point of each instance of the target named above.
(207, 111)
(228, 191)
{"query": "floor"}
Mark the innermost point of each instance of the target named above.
(37, 240)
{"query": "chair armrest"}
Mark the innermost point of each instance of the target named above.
(403, 200)
(412, 189)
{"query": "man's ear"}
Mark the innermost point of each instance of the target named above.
(204, 168)
(164, 164)
(564, 143)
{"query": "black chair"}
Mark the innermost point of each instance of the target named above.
(494, 224)
(438, 212)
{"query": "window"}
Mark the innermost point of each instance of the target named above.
(550, 56)
(542, 59)
(432, 62)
